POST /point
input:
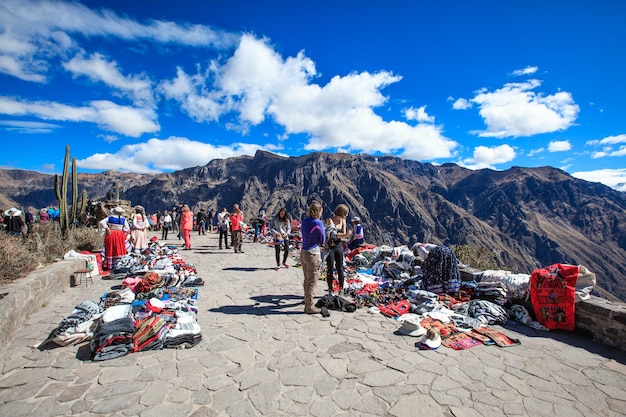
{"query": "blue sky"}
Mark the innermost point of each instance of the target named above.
(156, 86)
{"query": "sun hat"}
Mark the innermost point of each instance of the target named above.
(118, 210)
(431, 340)
(13, 212)
(139, 208)
(355, 219)
(411, 325)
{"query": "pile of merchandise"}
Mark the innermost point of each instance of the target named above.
(155, 308)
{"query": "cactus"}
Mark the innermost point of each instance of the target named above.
(67, 219)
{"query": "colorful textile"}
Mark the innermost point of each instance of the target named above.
(552, 294)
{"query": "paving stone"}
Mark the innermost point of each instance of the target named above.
(169, 410)
(303, 376)
(255, 376)
(371, 404)
(51, 407)
(52, 388)
(73, 392)
(265, 396)
(321, 407)
(384, 378)
(116, 403)
(154, 394)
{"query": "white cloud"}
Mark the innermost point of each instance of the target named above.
(534, 152)
(418, 114)
(98, 69)
(24, 126)
(515, 110)
(157, 155)
(614, 178)
(525, 71)
(462, 104)
(256, 83)
(34, 31)
(559, 146)
(487, 157)
(609, 140)
(608, 150)
(126, 120)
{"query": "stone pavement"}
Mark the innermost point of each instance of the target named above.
(262, 356)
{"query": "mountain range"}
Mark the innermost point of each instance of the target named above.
(526, 217)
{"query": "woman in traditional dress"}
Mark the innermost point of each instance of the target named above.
(115, 227)
(138, 232)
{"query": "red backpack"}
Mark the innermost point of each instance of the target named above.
(552, 295)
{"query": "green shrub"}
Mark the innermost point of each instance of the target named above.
(478, 258)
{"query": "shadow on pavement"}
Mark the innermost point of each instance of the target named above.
(572, 339)
(246, 269)
(265, 305)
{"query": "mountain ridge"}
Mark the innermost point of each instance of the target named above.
(527, 217)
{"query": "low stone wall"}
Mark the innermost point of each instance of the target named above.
(29, 294)
(603, 321)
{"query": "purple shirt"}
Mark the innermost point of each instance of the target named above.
(312, 233)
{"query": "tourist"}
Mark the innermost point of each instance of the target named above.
(236, 220)
(13, 222)
(29, 219)
(313, 238)
(201, 221)
(280, 227)
(358, 237)
(166, 224)
(259, 224)
(186, 226)
(209, 220)
(335, 260)
(44, 217)
(138, 231)
(223, 224)
(115, 227)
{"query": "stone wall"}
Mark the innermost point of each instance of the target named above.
(29, 294)
(603, 321)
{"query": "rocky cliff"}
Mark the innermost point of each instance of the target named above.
(527, 217)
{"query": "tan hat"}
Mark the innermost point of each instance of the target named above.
(411, 325)
(118, 210)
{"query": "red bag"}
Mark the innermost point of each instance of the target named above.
(395, 309)
(552, 295)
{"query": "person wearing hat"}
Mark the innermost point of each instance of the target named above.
(201, 221)
(13, 222)
(139, 233)
(358, 237)
(115, 228)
